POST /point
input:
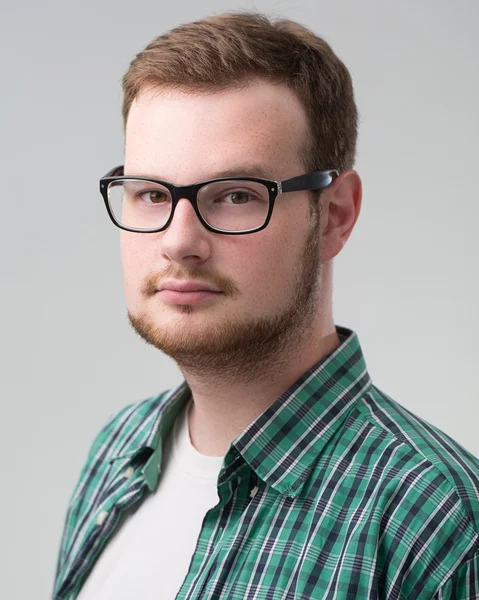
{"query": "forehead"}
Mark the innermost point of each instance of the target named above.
(186, 137)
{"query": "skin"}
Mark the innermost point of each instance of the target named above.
(240, 351)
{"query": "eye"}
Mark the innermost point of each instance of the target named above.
(238, 197)
(153, 196)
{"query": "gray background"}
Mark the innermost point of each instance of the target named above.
(406, 281)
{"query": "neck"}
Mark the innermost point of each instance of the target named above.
(222, 409)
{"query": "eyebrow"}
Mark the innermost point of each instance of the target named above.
(252, 170)
(245, 170)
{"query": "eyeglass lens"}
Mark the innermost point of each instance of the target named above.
(226, 205)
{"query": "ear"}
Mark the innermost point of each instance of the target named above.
(341, 204)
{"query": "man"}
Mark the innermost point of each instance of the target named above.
(276, 469)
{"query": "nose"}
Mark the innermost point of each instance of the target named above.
(186, 239)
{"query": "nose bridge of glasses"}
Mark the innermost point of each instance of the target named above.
(187, 192)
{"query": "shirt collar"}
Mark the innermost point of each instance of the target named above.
(283, 443)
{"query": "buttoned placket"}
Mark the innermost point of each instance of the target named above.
(232, 491)
(104, 523)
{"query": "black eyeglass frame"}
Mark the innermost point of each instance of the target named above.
(309, 181)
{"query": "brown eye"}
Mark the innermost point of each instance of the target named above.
(153, 197)
(238, 197)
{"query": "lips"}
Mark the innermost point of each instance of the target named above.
(187, 286)
(191, 297)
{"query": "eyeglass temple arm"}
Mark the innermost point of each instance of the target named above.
(311, 181)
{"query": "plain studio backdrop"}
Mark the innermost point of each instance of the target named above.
(407, 280)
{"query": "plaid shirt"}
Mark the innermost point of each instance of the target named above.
(335, 491)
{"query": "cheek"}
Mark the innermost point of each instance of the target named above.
(270, 270)
(134, 260)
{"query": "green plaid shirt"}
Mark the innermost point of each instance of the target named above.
(335, 491)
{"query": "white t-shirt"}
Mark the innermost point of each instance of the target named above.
(149, 556)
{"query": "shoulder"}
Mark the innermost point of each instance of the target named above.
(127, 428)
(123, 434)
(447, 461)
(423, 494)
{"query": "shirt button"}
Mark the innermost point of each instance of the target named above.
(129, 472)
(101, 517)
(253, 492)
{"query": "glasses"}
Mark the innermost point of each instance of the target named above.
(233, 205)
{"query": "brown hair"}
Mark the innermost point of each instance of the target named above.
(231, 49)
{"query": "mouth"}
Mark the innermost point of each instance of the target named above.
(189, 297)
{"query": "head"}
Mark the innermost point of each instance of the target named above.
(242, 94)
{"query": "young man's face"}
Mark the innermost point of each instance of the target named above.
(268, 280)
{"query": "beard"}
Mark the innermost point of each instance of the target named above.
(240, 348)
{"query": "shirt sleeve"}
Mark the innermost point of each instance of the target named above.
(463, 583)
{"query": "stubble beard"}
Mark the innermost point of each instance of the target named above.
(237, 349)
